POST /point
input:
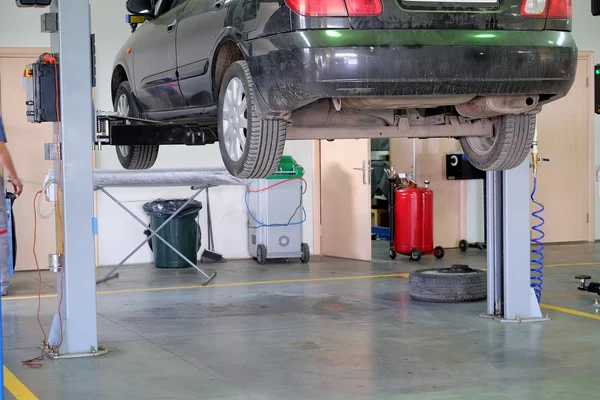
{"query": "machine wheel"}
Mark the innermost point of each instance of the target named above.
(251, 146)
(449, 285)
(137, 156)
(439, 252)
(305, 257)
(416, 255)
(507, 149)
(393, 254)
(261, 254)
(463, 245)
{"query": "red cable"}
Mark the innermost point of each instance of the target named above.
(279, 183)
(32, 362)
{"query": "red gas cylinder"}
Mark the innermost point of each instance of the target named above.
(413, 223)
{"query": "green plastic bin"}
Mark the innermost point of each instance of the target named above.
(182, 232)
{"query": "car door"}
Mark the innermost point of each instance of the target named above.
(155, 60)
(202, 22)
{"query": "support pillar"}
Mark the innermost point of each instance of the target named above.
(510, 296)
(77, 280)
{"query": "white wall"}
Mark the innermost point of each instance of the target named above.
(20, 27)
(118, 232)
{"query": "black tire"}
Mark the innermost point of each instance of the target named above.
(137, 156)
(393, 254)
(507, 149)
(265, 137)
(439, 252)
(305, 257)
(261, 254)
(434, 286)
(463, 245)
(416, 255)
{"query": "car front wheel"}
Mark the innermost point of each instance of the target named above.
(251, 146)
(507, 148)
(136, 156)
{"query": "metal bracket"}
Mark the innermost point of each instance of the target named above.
(51, 153)
(55, 355)
(115, 130)
(49, 22)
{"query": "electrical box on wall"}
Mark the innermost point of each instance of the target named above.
(33, 3)
(597, 89)
(459, 168)
(41, 81)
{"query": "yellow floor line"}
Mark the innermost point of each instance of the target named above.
(569, 311)
(222, 285)
(16, 387)
(574, 264)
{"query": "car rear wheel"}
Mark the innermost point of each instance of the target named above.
(507, 149)
(136, 156)
(251, 146)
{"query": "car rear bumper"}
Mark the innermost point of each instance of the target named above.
(294, 69)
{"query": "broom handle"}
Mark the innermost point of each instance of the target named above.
(211, 244)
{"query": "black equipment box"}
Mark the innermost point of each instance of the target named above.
(459, 168)
(33, 3)
(597, 89)
(42, 97)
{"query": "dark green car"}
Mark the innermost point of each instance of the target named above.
(263, 71)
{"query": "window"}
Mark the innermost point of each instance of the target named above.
(162, 6)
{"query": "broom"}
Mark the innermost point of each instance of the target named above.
(209, 255)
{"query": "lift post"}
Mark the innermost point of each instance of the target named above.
(77, 277)
(510, 296)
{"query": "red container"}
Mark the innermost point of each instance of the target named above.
(412, 212)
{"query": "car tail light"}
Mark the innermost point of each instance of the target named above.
(534, 8)
(336, 8)
(319, 8)
(555, 9)
(364, 8)
(560, 9)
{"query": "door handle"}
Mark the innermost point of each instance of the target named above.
(218, 5)
(172, 26)
(366, 170)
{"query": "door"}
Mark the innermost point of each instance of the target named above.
(26, 144)
(449, 197)
(155, 60)
(202, 22)
(346, 199)
(565, 138)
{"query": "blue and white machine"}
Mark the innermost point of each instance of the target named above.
(276, 214)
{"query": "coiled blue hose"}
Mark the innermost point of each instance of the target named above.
(537, 273)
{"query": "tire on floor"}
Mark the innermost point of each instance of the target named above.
(457, 284)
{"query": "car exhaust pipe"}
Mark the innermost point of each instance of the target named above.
(491, 106)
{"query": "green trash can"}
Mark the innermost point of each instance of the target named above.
(182, 232)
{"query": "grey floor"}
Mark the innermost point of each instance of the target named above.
(322, 339)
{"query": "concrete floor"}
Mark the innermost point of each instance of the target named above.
(332, 338)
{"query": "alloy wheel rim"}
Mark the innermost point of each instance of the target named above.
(235, 120)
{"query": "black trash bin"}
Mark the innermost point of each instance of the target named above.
(182, 232)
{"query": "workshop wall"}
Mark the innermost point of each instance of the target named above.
(20, 27)
(586, 29)
(118, 232)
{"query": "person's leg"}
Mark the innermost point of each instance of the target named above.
(4, 245)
